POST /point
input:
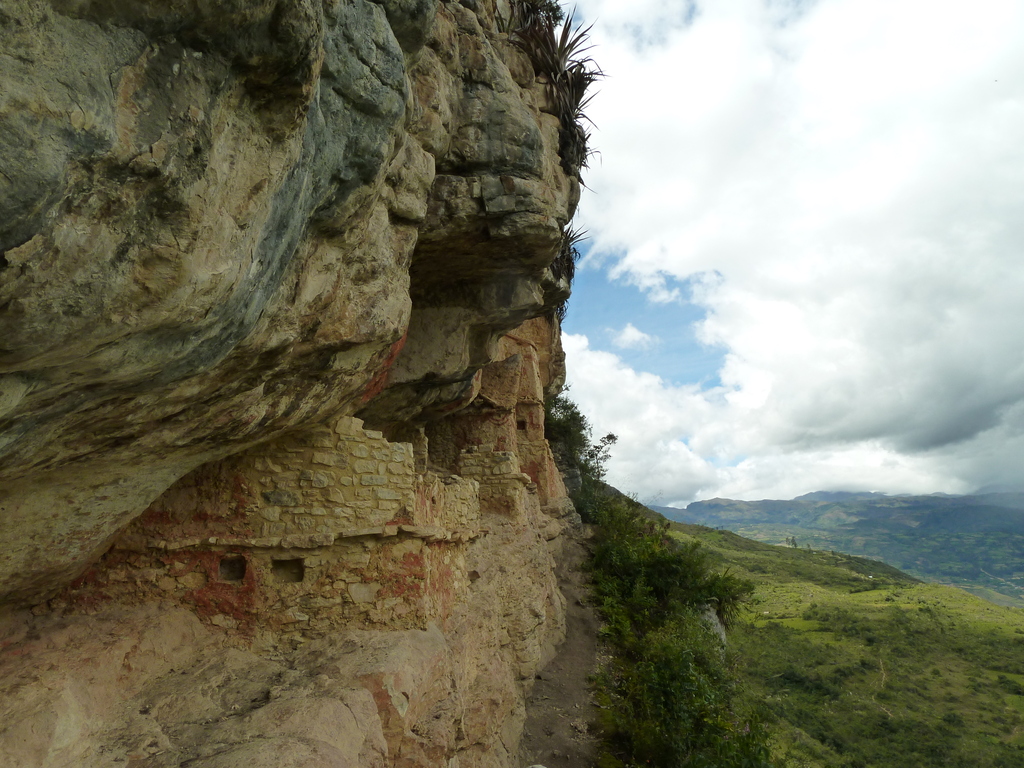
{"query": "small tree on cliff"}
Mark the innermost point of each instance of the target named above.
(571, 437)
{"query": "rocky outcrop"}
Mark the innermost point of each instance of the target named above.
(331, 598)
(275, 295)
(220, 225)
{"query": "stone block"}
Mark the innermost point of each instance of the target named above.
(373, 480)
(329, 459)
(363, 592)
(348, 425)
(193, 581)
(307, 541)
(282, 498)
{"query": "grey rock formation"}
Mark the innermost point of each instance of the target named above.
(221, 222)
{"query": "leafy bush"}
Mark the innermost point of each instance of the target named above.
(525, 13)
(570, 434)
(667, 693)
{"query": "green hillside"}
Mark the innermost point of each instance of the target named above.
(857, 665)
(973, 542)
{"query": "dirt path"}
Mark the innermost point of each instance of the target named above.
(560, 711)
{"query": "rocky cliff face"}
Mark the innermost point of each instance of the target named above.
(273, 482)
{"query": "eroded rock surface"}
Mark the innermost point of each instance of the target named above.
(330, 598)
(275, 303)
(221, 224)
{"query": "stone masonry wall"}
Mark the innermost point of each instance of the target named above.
(356, 560)
(329, 528)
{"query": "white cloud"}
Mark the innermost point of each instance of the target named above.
(632, 337)
(677, 444)
(846, 178)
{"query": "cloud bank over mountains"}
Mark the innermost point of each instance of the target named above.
(839, 185)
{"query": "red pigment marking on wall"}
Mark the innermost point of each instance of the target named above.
(426, 503)
(441, 584)
(241, 494)
(412, 560)
(533, 469)
(409, 581)
(423, 502)
(87, 591)
(377, 383)
(233, 496)
(219, 597)
(392, 723)
(5, 649)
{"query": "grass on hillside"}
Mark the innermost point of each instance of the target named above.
(987, 564)
(964, 543)
(861, 666)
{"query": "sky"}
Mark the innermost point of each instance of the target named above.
(805, 268)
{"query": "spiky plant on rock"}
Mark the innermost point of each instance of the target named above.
(558, 56)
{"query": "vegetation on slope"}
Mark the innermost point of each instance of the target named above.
(973, 542)
(668, 694)
(860, 665)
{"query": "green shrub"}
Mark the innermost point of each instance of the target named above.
(667, 693)
(570, 434)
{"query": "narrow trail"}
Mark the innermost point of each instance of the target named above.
(881, 686)
(560, 711)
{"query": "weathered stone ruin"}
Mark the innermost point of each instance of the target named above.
(277, 317)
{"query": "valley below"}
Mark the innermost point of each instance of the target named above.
(853, 664)
(975, 542)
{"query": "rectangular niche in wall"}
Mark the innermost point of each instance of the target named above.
(289, 571)
(232, 568)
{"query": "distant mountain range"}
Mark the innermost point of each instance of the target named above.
(975, 542)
